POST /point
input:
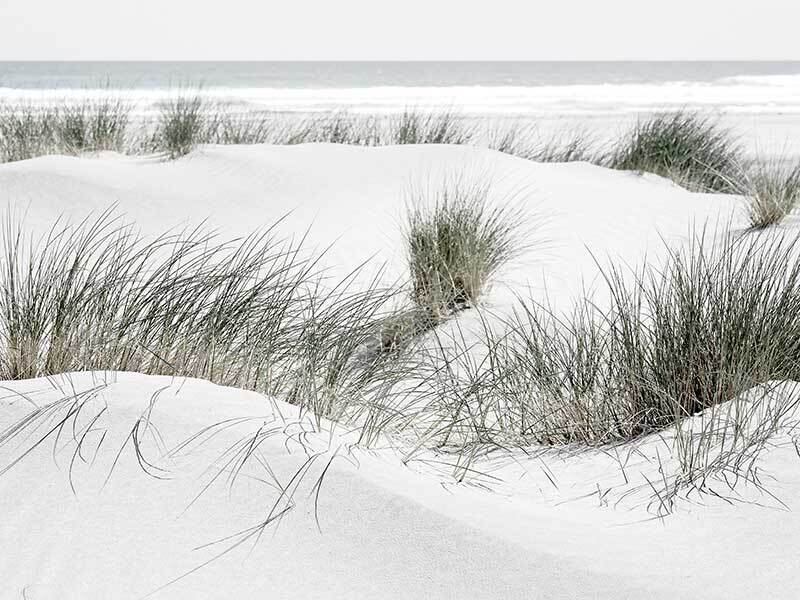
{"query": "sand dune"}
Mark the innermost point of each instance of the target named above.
(86, 516)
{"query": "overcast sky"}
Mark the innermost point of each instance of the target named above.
(398, 29)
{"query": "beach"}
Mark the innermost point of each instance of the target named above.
(217, 382)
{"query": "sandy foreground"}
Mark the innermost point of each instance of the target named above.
(87, 516)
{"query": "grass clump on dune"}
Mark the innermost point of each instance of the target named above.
(181, 126)
(713, 321)
(455, 242)
(772, 190)
(691, 149)
(417, 127)
(95, 126)
(26, 132)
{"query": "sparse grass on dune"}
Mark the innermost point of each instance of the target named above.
(339, 127)
(692, 149)
(526, 142)
(27, 131)
(437, 127)
(226, 127)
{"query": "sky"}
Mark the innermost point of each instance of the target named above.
(399, 30)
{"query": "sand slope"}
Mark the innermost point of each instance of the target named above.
(376, 529)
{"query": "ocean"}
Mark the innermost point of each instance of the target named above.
(483, 88)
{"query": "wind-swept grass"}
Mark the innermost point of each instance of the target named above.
(717, 319)
(94, 126)
(181, 125)
(772, 189)
(693, 150)
(691, 349)
(27, 131)
(252, 313)
(97, 296)
(455, 242)
(526, 142)
(682, 349)
(432, 127)
(225, 127)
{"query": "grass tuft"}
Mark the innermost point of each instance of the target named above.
(691, 149)
(772, 189)
(181, 126)
(455, 242)
(416, 127)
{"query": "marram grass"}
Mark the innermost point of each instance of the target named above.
(690, 148)
(456, 241)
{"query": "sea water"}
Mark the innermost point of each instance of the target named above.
(501, 88)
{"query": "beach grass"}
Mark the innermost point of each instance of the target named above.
(680, 347)
(182, 123)
(690, 148)
(771, 188)
(255, 313)
(27, 131)
(711, 322)
(431, 127)
(455, 242)
(525, 141)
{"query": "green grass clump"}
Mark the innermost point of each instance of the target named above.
(772, 189)
(94, 126)
(417, 127)
(455, 242)
(713, 321)
(691, 149)
(181, 126)
(27, 131)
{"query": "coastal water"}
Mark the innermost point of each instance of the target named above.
(494, 88)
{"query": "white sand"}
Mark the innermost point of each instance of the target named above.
(552, 527)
